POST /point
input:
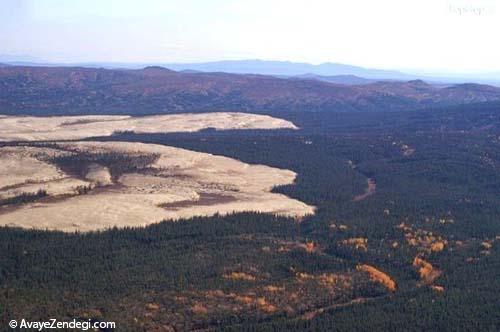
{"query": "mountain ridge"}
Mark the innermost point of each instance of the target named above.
(287, 68)
(273, 68)
(157, 90)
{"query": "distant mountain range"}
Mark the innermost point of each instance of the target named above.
(77, 90)
(339, 79)
(330, 72)
(282, 68)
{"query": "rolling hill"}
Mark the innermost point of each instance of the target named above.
(75, 90)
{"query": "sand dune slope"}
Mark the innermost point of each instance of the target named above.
(177, 184)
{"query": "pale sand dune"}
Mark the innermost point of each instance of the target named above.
(205, 168)
(185, 184)
(18, 166)
(99, 175)
(14, 128)
(53, 188)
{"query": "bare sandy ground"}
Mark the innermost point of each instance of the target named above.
(58, 187)
(26, 128)
(99, 175)
(179, 184)
(18, 165)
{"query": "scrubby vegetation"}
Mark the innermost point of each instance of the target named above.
(438, 203)
(77, 164)
(23, 198)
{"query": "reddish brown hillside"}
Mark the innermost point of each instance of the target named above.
(72, 90)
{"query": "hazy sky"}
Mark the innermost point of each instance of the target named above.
(433, 35)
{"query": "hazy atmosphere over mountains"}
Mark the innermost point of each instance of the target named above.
(330, 72)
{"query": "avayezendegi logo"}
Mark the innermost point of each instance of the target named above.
(55, 324)
(472, 7)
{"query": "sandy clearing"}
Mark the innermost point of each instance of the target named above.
(141, 199)
(18, 166)
(90, 212)
(53, 188)
(99, 175)
(28, 128)
(265, 202)
(203, 167)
